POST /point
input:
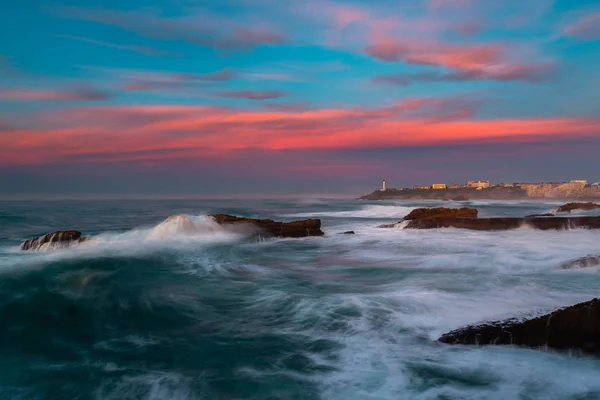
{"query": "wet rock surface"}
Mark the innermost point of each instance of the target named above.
(567, 208)
(59, 239)
(441, 212)
(574, 327)
(295, 229)
(583, 262)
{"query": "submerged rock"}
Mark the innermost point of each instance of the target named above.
(57, 240)
(441, 212)
(348, 233)
(296, 229)
(575, 327)
(583, 262)
(577, 206)
(539, 215)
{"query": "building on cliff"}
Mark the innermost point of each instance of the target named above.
(478, 184)
(439, 186)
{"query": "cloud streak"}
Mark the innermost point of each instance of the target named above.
(587, 27)
(252, 94)
(53, 95)
(150, 51)
(202, 28)
(532, 73)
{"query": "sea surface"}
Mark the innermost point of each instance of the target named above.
(149, 310)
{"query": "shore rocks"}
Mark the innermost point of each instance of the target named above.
(58, 239)
(296, 229)
(441, 212)
(567, 208)
(583, 262)
(502, 224)
(575, 327)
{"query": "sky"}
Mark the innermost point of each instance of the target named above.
(294, 97)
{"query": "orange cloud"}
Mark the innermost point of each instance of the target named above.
(159, 132)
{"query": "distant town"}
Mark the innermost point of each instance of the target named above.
(578, 188)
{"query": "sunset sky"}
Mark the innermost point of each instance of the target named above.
(234, 97)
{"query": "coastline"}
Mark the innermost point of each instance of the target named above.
(465, 194)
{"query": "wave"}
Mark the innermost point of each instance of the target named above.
(179, 232)
(370, 211)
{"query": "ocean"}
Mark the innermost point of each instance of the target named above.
(150, 311)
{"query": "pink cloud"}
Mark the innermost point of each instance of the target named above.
(48, 95)
(587, 27)
(158, 131)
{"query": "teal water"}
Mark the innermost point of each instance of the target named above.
(148, 311)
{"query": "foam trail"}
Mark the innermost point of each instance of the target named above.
(370, 211)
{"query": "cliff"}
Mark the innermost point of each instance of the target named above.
(494, 193)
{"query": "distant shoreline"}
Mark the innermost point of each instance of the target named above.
(464, 194)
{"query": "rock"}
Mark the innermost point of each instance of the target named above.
(296, 229)
(58, 239)
(577, 206)
(441, 212)
(575, 327)
(387, 225)
(539, 215)
(583, 262)
(348, 233)
(500, 224)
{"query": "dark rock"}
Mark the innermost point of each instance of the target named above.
(499, 224)
(387, 225)
(583, 262)
(575, 327)
(539, 215)
(441, 212)
(577, 206)
(296, 229)
(348, 233)
(58, 239)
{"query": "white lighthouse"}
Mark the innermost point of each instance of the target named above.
(383, 186)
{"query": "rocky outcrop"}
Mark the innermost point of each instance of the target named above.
(296, 229)
(583, 262)
(567, 208)
(441, 212)
(502, 224)
(54, 240)
(575, 327)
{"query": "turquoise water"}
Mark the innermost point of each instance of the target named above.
(148, 311)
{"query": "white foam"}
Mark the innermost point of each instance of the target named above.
(370, 211)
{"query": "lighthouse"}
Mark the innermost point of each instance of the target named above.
(383, 186)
